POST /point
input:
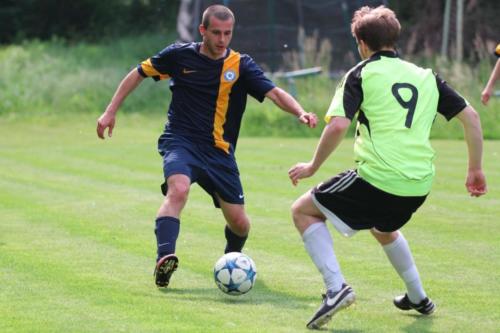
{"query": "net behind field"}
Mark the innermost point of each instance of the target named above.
(288, 34)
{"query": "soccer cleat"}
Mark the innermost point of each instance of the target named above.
(332, 303)
(165, 267)
(426, 307)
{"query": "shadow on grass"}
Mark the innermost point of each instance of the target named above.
(260, 294)
(421, 324)
(336, 330)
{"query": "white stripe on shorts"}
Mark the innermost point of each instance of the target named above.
(342, 183)
(348, 183)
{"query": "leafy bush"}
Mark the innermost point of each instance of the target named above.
(55, 77)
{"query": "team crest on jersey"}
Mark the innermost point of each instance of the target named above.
(229, 75)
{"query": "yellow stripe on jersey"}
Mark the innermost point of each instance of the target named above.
(497, 50)
(149, 70)
(229, 75)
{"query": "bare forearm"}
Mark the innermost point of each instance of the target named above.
(107, 119)
(475, 182)
(285, 101)
(288, 104)
(331, 137)
(495, 74)
(473, 135)
(475, 148)
(127, 85)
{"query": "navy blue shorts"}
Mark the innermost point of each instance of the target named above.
(211, 168)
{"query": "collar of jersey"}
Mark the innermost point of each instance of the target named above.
(390, 54)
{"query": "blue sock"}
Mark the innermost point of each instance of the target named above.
(234, 242)
(166, 231)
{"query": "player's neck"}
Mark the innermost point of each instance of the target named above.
(370, 52)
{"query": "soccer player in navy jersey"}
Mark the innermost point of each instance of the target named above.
(209, 83)
(396, 103)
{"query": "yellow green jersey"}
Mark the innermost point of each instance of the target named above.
(396, 103)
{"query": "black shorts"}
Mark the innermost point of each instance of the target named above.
(352, 204)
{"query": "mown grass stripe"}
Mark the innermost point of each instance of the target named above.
(94, 243)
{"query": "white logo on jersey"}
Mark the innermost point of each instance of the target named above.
(229, 75)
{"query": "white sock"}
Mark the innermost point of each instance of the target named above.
(399, 255)
(319, 245)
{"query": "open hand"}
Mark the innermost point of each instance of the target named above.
(299, 171)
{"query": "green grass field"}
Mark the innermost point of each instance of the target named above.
(77, 246)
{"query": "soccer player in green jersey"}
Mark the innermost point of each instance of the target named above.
(396, 103)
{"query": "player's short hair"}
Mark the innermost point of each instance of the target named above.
(219, 11)
(377, 27)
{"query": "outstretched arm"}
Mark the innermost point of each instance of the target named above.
(107, 119)
(488, 89)
(287, 103)
(475, 182)
(331, 137)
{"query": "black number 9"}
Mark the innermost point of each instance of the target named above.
(411, 104)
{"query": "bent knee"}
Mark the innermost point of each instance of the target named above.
(300, 211)
(384, 238)
(296, 209)
(243, 223)
(178, 192)
(240, 225)
(300, 220)
(305, 213)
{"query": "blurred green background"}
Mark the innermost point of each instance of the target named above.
(64, 57)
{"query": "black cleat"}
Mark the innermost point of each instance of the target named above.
(332, 303)
(165, 267)
(426, 307)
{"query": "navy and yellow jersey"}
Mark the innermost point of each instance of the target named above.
(497, 50)
(396, 103)
(208, 96)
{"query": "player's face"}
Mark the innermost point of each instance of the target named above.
(216, 37)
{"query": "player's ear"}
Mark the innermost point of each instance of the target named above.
(202, 29)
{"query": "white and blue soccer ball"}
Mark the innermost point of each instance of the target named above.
(235, 273)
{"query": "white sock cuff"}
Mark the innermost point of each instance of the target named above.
(312, 228)
(400, 240)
